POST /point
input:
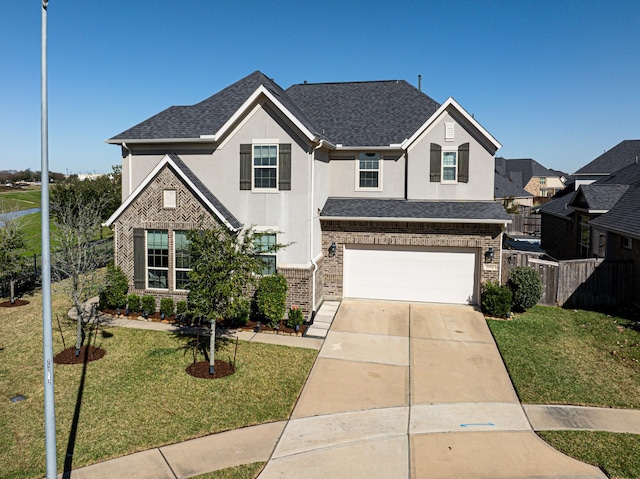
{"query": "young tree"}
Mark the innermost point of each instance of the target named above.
(78, 222)
(224, 265)
(12, 243)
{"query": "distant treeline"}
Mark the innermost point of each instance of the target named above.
(14, 176)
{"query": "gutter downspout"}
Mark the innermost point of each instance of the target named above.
(311, 237)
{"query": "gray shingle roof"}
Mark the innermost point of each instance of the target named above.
(621, 155)
(623, 217)
(522, 170)
(208, 116)
(471, 211)
(600, 197)
(559, 206)
(377, 113)
(505, 188)
(233, 221)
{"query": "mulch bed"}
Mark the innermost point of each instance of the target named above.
(87, 354)
(155, 317)
(18, 302)
(200, 369)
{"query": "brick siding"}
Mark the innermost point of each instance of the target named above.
(559, 237)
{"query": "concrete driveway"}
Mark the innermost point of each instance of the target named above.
(412, 390)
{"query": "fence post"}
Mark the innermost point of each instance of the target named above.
(35, 267)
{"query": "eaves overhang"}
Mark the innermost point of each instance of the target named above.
(416, 220)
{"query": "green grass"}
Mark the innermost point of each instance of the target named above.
(248, 471)
(19, 199)
(618, 455)
(137, 397)
(559, 356)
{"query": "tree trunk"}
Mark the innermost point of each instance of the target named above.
(79, 326)
(212, 347)
(12, 285)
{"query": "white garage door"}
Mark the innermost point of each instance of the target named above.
(436, 275)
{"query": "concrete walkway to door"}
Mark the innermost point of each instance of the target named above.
(413, 390)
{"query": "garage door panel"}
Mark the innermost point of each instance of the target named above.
(444, 275)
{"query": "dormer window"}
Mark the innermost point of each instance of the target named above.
(368, 171)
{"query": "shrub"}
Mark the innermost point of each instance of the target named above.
(496, 300)
(295, 318)
(149, 304)
(239, 315)
(271, 298)
(526, 286)
(133, 302)
(116, 286)
(166, 306)
(181, 307)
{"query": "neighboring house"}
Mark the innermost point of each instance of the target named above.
(510, 193)
(531, 176)
(381, 192)
(571, 223)
(620, 156)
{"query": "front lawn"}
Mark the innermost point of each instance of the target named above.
(564, 356)
(137, 397)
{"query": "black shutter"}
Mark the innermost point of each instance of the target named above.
(436, 158)
(463, 163)
(138, 259)
(245, 167)
(284, 167)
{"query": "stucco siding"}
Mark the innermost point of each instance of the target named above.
(342, 176)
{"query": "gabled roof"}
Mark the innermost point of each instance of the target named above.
(559, 206)
(174, 162)
(506, 188)
(209, 119)
(623, 218)
(621, 155)
(373, 113)
(450, 105)
(521, 170)
(411, 210)
(598, 198)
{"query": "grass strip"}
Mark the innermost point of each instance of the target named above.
(247, 471)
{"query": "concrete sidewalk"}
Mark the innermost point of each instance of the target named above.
(421, 393)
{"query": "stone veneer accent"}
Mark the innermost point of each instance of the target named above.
(462, 235)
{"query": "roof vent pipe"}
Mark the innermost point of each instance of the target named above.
(420, 82)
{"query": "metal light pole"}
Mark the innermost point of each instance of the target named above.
(47, 331)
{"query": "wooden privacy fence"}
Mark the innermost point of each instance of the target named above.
(525, 222)
(580, 283)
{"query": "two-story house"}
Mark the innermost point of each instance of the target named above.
(381, 192)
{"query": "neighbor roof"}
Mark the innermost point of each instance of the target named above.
(623, 218)
(559, 206)
(598, 197)
(623, 154)
(506, 188)
(521, 170)
(408, 210)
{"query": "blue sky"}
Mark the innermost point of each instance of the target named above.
(558, 81)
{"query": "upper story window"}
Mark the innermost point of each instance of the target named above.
(265, 244)
(627, 242)
(265, 166)
(157, 259)
(449, 166)
(369, 171)
(182, 260)
(543, 181)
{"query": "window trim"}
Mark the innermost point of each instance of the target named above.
(443, 166)
(627, 243)
(175, 263)
(259, 143)
(146, 260)
(358, 170)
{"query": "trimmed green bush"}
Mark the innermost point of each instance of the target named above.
(149, 304)
(526, 285)
(181, 307)
(166, 306)
(295, 318)
(496, 300)
(133, 302)
(239, 315)
(271, 298)
(116, 286)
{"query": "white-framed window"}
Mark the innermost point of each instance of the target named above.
(265, 167)
(369, 171)
(449, 166)
(627, 242)
(543, 181)
(181, 259)
(157, 259)
(265, 243)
